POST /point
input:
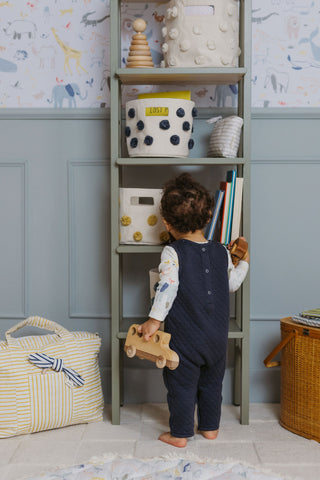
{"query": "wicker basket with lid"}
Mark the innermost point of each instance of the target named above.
(300, 378)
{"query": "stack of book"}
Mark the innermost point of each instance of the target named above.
(228, 206)
(308, 317)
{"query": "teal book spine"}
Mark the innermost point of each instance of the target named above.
(231, 178)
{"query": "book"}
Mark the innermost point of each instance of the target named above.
(237, 209)
(218, 203)
(231, 178)
(311, 322)
(314, 313)
(184, 94)
(225, 186)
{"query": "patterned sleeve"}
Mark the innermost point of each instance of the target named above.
(168, 285)
(236, 274)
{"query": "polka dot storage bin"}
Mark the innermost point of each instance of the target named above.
(159, 127)
(140, 219)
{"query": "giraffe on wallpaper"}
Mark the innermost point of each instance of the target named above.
(68, 54)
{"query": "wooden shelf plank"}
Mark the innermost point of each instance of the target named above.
(180, 76)
(149, 1)
(150, 161)
(139, 248)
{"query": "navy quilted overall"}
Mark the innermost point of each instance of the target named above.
(198, 322)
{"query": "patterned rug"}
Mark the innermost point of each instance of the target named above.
(162, 468)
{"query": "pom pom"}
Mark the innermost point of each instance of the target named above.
(127, 131)
(172, 61)
(131, 113)
(152, 220)
(165, 47)
(164, 124)
(200, 60)
(148, 140)
(175, 139)
(140, 125)
(194, 112)
(180, 112)
(186, 126)
(174, 12)
(191, 144)
(137, 236)
(133, 142)
(125, 220)
(184, 46)
(173, 33)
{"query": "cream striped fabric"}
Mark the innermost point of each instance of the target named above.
(225, 138)
(30, 400)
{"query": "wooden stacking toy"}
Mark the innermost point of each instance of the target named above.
(139, 51)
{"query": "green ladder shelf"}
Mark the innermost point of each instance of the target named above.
(239, 327)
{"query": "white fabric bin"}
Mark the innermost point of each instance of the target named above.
(140, 219)
(159, 127)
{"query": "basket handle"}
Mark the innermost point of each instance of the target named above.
(40, 322)
(267, 361)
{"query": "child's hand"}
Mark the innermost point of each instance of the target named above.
(148, 328)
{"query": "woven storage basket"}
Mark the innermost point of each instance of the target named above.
(300, 378)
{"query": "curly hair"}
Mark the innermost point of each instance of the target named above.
(185, 204)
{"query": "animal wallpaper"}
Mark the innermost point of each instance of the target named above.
(285, 53)
(55, 54)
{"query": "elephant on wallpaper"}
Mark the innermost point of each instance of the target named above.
(222, 92)
(278, 80)
(66, 92)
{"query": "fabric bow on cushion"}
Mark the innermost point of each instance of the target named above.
(42, 360)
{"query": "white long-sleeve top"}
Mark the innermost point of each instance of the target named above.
(169, 281)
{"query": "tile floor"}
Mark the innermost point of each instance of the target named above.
(263, 443)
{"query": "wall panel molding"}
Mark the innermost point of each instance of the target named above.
(21, 225)
(268, 317)
(286, 160)
(87, 113)
(74, 241)
(104, 113)
(285, 136)
(54, 114)
(285, 113)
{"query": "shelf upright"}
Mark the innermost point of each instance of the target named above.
(242, 345)
(115, 150)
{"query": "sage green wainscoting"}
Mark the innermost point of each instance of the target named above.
(54, 224)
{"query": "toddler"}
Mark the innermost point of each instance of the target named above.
(192, 299)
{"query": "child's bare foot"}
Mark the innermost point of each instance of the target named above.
(210, 434)
(175, 441)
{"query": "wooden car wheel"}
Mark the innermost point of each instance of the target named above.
(161, 362)
(131, 351)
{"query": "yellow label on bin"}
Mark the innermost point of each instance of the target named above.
(157, 111)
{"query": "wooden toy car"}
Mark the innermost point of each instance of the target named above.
(156, 349)
(238, 250)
